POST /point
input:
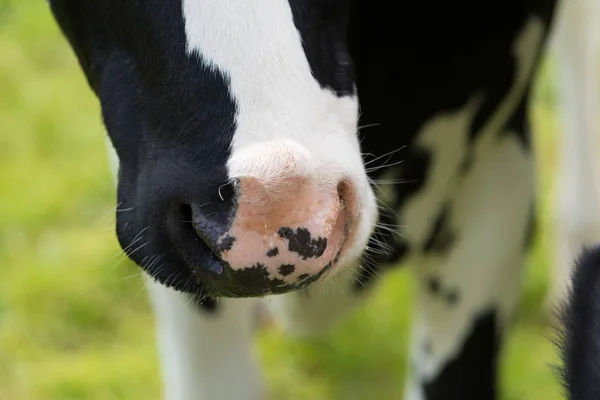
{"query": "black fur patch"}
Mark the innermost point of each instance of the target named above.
(579, 336)
(322, 26)
(472, 374)
(414, 174)
(434, 285)
(209, 304)
(301, 242)
(206, 304)
(519, 123)
(452, 296)
(441, 236)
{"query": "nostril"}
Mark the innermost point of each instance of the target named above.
(195, 236)
(185, 210)
(346, 197)
(342, 188)
(348, 213)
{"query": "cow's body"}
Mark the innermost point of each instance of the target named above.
(265, 94)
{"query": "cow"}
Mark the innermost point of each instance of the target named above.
(296, 149)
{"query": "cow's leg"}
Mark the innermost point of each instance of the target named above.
(205, 354)
(469, 274)
(577, 219)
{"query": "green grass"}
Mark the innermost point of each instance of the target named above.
(74, 320)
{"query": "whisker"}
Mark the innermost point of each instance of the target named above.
(219, 191)
(136, 275)
(156, 260)
(389, 181)
(147, 260)
(395, 228)
(377, 168)
(388, 154)
(138, 248)
(361, 127)
(110, 211)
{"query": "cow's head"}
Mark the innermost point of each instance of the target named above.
(235, 126)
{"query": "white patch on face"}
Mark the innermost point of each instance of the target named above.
(255, 44)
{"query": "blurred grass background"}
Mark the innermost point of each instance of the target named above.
(74, 319)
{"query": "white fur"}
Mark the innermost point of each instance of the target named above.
(577, 220)
(272, 161)
(489, 214)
